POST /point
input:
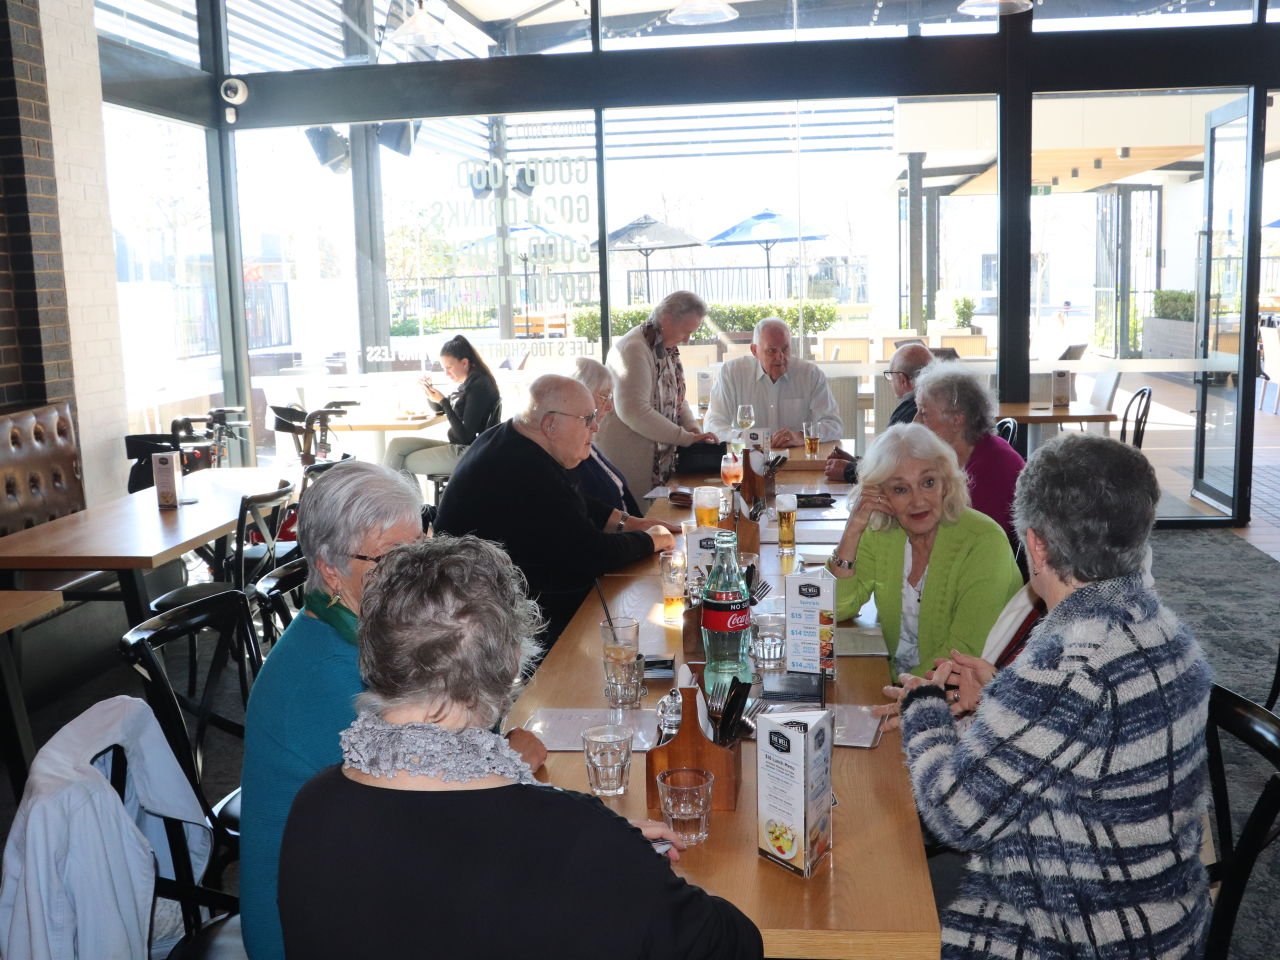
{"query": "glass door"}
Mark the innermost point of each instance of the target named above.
(1220, 304)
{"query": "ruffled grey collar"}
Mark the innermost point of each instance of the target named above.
(381, 749)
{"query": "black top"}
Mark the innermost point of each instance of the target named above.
(508, 489)
(524, 871)
(904, 412)
(594, 480)
(470, 407)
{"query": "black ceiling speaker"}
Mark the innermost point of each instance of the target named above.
(399, 135)
(333, 150)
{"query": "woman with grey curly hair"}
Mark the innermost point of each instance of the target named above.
(1079, 785)
(940, 571)
(433, 828)
(952, 403)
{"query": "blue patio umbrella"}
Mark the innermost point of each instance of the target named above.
(765, 229)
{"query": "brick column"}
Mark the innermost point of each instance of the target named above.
(35, 347)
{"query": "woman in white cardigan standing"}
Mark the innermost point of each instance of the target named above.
(651, 415)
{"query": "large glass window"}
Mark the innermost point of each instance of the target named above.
(304, 34)
(166, 28)
(685, 23)
(1138, 225)
(157, 181)
(1127, 15)
(297, 230)
(484, 230)
(844, 217)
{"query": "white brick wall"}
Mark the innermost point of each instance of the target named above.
(75, 110)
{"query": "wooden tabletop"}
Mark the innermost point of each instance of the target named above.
(1075, 412)
(386, 422)
(797, 459)
(22, 606)
(132, 532)
(871, 898)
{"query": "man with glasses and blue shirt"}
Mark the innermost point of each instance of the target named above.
(904, 367)
(513, 486)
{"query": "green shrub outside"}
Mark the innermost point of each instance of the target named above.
(1174, 304)
(819, 315)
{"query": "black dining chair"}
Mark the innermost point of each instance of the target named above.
(222, 694)
(279, 596)
(1007, 429)
(440, 479)
(1140, 406)
(1258, 731)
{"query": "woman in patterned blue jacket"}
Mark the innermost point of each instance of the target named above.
(1077, 791)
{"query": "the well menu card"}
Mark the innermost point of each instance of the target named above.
(793, 788)
(811, 622)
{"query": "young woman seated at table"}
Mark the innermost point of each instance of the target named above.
(469, 409)
(433, 836)
(940, 571)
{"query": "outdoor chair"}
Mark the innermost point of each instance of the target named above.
(232, 668)
(1140, 406)
(1258, 730)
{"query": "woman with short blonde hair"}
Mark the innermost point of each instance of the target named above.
(940, 571)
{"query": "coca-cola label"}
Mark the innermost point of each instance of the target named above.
(726, 615)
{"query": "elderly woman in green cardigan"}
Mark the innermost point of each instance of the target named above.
(940, 571)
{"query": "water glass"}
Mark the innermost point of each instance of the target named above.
(672, 565)
(769, 628)
(621, 638)
(624, 681)
(607, 750)
(689, 530)
(684, 795)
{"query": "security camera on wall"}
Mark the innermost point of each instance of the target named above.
(234, 91)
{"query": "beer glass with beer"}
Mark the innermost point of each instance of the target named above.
(673, 585)
(786, 507)
(706, 506)
(811, 439)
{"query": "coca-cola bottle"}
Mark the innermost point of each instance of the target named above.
(726, 615)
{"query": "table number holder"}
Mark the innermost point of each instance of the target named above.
(691, 748)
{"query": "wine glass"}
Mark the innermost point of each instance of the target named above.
(746, 416)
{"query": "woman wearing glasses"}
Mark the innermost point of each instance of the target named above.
(652, 417)
(305, 695)
(596, 475)
(513, 486)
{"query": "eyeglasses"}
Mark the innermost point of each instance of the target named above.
(890, 374)
(365, 557)
(587, 418)
(604, 397)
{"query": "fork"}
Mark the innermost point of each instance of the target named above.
(715, 702)
(747, 725)
(760, 591)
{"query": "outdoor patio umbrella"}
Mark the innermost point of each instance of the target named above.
(645, 235)
(765, 229)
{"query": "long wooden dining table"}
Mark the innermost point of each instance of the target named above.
(870, 898)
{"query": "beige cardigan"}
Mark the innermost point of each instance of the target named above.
(629, 435)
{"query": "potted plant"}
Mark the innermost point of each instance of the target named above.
(1170, 332)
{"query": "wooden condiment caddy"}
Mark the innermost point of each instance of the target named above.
(691, 748)
(748, 532)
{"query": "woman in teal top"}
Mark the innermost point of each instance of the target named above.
(940, 571)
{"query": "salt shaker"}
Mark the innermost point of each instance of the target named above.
(668, 711)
